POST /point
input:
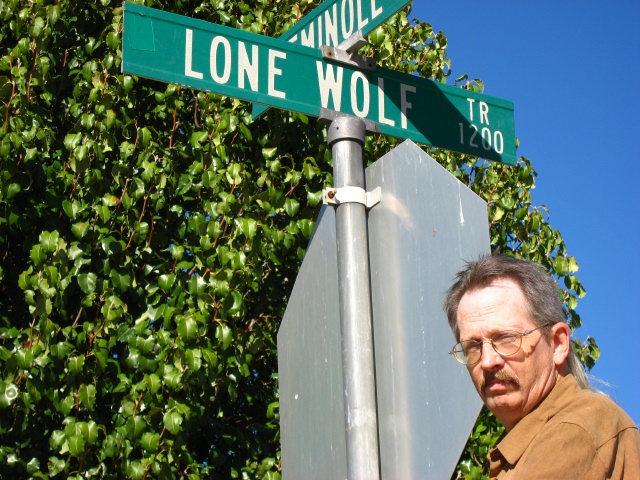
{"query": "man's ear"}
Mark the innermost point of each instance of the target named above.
(561, 343)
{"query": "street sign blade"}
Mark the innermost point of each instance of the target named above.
(232, 62)
(333, 21)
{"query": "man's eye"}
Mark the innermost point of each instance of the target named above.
(505, 339)
(472, 347)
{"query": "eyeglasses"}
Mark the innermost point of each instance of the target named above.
(506, 344)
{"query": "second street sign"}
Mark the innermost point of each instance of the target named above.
(202, 55)
(333, 21)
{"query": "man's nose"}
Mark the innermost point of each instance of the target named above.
(490, 359)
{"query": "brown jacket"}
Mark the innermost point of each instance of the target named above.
(572, 434)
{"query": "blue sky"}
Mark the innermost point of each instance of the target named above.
(572, 69)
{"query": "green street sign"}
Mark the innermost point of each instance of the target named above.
(202, 55)
(333, 21)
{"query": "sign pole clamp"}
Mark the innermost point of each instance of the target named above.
(336, 196)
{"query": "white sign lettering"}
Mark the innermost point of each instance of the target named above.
(246, 68)
(221, 63)
(404, 103)
(488, 139)
(226, 59)
(331, 85)
(273, 71)
(345, 17)
(188, 56)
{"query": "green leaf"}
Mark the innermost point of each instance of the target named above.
(56, 439)
(152, 382)
(87, 282)
(198, 137)
(24, 359)
(292, 206)
(67, 404)
(150, 441)
(113, 40)
(377, 37)
(144, 137)
(233, 174)
(145, 344)
(38, 255)
(8, 394)
(269, 153)
(12, 190)
(166, 281)
(248, 227)
(87, 395)
(234, 303)
(134, 426)
(172, 377)
(55, 465)
(72, 140)
(76, 445)
(224, 335)
(177, 252)
(75, 363)
(573, 265)
(80, 229)
(136, 470)
(210, 357)
(120, 281)
(561, 266)
(194, 359)
(89, 431)
(172, 420)
(246, 133)
(187, 328)
(272, 410)
(59, 350)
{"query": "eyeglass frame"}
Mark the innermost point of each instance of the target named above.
(482, 342)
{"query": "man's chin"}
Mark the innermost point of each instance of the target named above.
(499, 404)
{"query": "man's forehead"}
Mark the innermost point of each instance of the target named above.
(498, 291)
(492, 308)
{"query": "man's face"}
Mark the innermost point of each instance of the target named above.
(509, 386)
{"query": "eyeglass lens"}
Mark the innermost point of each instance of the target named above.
(505, 343)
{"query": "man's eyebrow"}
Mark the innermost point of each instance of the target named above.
(490, 335)
(472, 339)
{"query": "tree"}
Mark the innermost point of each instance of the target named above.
(150, 236)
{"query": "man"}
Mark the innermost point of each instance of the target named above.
(512, 336)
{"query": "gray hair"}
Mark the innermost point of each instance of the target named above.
(540, 292)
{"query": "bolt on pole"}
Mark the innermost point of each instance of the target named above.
(346, 137)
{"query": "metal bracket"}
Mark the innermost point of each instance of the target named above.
(354, 43)
(337, 196)
(327, 116)
(346, 52)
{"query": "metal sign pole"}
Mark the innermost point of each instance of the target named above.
(346, 137)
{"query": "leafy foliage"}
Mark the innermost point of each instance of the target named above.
(149, 239)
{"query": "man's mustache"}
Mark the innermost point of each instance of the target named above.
(502, 375)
